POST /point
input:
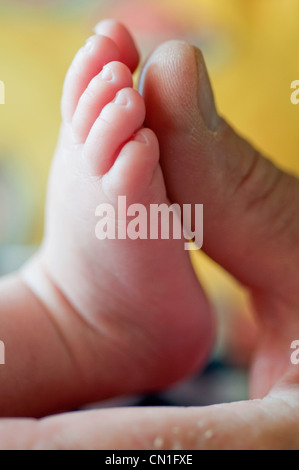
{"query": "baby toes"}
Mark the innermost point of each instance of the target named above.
(100, 91)
(120, 35)
(136, 173)
(88, 62)
(118, 121)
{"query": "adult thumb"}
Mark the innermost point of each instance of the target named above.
(251, 223)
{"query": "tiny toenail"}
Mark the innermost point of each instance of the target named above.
(89, 45)
(107, 74)
(140, 137)
(121, 99)
(101, 27)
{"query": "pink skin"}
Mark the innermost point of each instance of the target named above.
(123, 310)
(58, 351)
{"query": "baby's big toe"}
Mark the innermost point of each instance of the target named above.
(88, 62)
(112, 42)
(123, 39)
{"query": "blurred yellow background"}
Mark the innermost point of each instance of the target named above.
(251, 51)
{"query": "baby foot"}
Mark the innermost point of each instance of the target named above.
(148, 321)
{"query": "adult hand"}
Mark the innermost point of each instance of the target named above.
(252, 229)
